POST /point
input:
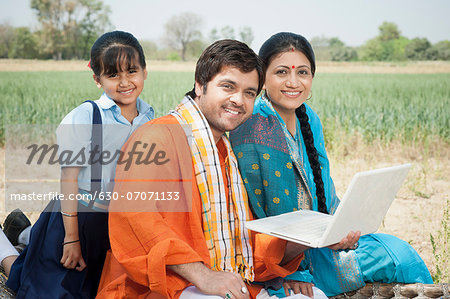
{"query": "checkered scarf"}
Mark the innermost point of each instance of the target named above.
(226, 237)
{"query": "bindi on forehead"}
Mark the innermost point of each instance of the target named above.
(293, 66)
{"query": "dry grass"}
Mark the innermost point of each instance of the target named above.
(410, 67)
(421, 67)
(23, 65)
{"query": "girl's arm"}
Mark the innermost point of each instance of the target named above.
(72, 258)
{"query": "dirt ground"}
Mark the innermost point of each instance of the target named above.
(418, 208)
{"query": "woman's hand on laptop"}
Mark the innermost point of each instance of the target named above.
(347, 242)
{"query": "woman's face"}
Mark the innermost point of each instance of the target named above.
(288, 81)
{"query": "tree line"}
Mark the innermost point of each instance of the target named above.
(68, 28)
(388, 45)
(182, 34)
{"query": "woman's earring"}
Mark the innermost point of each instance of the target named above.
(310, 95)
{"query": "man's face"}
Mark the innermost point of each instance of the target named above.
(228, 99)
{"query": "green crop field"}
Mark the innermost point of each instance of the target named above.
(405, 107)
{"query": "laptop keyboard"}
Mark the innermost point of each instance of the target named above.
(306, 229)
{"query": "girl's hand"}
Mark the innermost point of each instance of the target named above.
(298, 287)
(72, 258)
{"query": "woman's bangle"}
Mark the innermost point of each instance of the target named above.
(69, 215)
(70, 242)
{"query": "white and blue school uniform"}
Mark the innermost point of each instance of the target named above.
(38, 271)
(116, 130)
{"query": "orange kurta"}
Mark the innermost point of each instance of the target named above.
(144, 243)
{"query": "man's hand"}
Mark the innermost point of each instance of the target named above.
(212, 282)
(291, 251)
(222, 283)
(299, 287)
(347, 242)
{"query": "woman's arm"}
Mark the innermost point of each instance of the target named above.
(72, 258)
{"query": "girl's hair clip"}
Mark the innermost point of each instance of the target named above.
(89, 64)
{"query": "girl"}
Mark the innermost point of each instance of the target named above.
(69, 241)
(282, 158)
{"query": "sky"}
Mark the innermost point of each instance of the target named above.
(352, 21)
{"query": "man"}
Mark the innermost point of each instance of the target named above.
(207, 250)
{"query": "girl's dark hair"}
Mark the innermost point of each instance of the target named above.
(114, 50)
(284, 42)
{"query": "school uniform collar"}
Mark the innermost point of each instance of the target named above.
(143, 107)
(106, 102)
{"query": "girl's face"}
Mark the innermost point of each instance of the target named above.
(125, 86)
(288, 81)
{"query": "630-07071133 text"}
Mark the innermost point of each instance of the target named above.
(137, 195)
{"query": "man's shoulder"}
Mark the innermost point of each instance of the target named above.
(155, 125)
(162, 129)
(166, 120)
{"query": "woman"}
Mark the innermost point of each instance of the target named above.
(284, 165)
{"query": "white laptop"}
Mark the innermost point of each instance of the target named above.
(362, 208)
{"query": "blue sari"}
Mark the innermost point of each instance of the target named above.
(274, 176)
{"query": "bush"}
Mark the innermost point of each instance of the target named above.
(440, 243)
(442, 50)
(343, 54)
(173, 56)
(417, 49)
